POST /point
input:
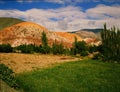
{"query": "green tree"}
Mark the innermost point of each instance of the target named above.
(44, 39)
(79, 47)
(110, 44)
(45, 48)
(26, 48)
(57, 48)
(6, 48)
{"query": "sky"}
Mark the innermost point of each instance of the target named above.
(64, 15)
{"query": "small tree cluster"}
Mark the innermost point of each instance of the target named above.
(6, 74)
(6, 48)
(79, 47)
(26, 48)
(110, 44)
(57, 48)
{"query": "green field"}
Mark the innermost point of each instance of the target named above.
(79, 76)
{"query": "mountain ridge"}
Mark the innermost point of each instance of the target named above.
(30, 33)
(7, 22)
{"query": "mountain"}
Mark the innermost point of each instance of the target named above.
(30, 33)
(88, 33)
(69, 36)
(93, 30)
(7, 22)
(90, 36)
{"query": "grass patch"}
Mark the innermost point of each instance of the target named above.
(80, 76)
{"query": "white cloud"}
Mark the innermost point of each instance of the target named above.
(29, 1)
(55, 1)
(102, 11)
(69, 18)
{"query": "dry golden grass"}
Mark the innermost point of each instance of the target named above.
(27, 62)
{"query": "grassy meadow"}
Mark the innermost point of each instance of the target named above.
(79, 76)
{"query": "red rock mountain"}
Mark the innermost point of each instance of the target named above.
(30, 33)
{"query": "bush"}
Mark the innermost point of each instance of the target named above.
(79, 47)
(7, 75)
(6, 48)
(26, 48)
(84, 53)
(98, 56)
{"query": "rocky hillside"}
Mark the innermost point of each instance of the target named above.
(86, 34)
(89, 35)
(69, 36)
(30, 33)
(7, 22)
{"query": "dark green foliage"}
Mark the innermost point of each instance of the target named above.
(26, 48)
(79, 47)
(98, 56)
(6, 48)
(84, 53)
(66, 51)
(44, 39)
(6, 74)
(110, 44)
(45, 49)
(57, 48)
(92, 48)
(38, 49)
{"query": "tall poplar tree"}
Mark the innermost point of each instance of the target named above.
(111, 44)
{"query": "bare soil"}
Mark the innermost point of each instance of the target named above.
(26, 62)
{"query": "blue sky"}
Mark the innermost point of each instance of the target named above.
(64, 15)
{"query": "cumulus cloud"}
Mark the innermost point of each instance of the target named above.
(102, 11)
(69, 18)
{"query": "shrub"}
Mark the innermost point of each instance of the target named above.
(26, 48)
(84, 53)
(7, 75)
(97, 56)
(6, 48)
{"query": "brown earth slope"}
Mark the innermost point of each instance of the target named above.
(27, 62)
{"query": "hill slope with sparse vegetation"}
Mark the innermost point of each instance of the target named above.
(7, 22)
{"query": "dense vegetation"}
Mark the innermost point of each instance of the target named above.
(7, 75)
(7, 22)
(109, 50)
(6, 48)
(80, 76)
(79, 47)
(56, 48)
(110, 47)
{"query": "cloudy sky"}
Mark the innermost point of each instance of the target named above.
(64, 15)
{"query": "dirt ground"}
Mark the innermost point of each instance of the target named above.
(27, 62)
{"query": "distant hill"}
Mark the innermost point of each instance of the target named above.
(89, 33)
(7, 22)
(89, 30)
(92, 30)
(30, 33)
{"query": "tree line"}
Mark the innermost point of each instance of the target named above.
(108, 50)
(56, 48)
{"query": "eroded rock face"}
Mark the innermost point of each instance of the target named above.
(30, 33)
